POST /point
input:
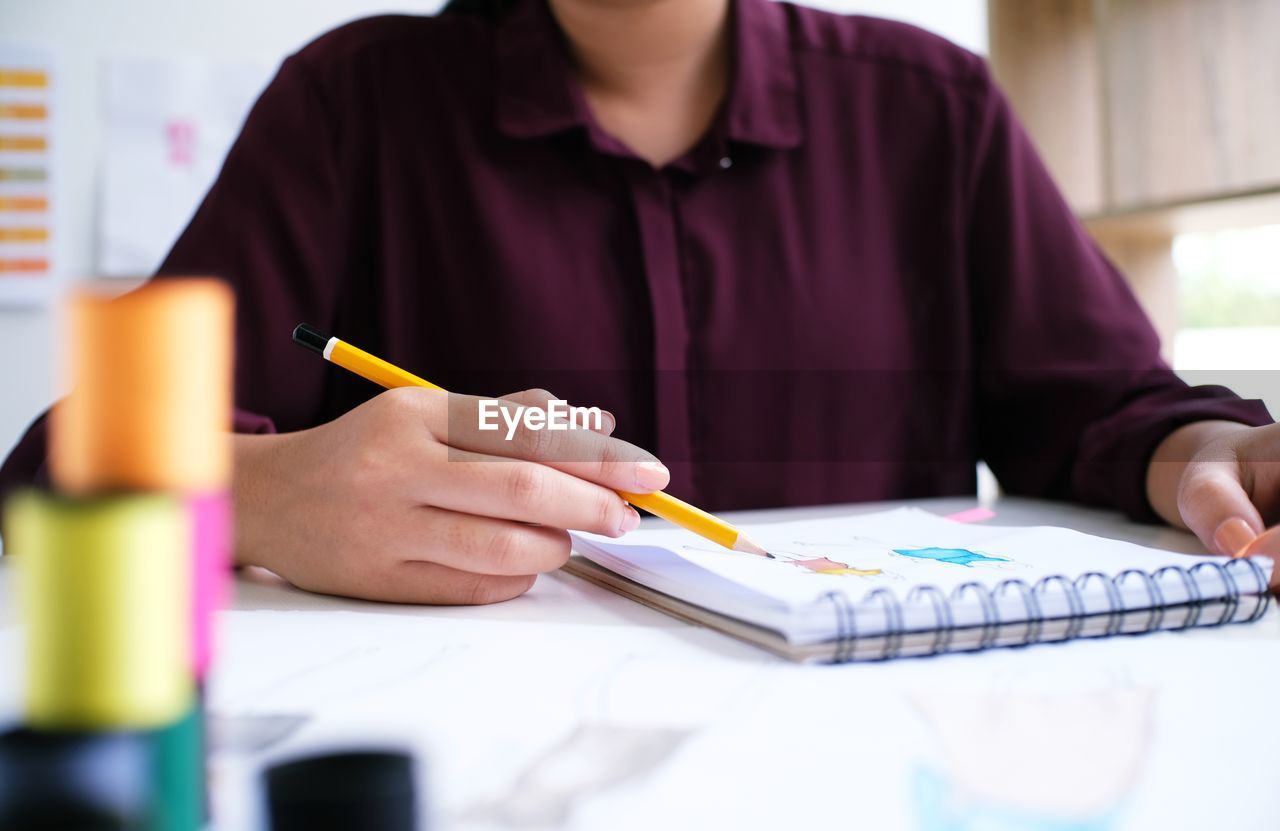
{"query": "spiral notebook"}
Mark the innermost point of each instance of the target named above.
(906, 583)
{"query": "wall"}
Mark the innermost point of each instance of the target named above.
(962, 21)
(82, 33)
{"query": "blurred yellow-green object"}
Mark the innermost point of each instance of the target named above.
(105, 594)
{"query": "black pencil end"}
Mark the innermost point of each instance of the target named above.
(310, 337)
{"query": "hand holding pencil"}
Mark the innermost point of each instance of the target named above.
(644, 496)
(402, 499)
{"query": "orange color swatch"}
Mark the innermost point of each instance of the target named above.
(24, 144)
(24, 234)
(24, 112)
(32, 204)
(24, 78)
(28, 265)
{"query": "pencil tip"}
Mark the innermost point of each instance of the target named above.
(749, 546)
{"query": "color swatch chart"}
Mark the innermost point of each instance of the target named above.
(25, 165)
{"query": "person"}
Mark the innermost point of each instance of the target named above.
(801, 257)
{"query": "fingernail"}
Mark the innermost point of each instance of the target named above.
(651, 476)
(1266, 544)
(607, 422)
(1233, 536)
(630, 521)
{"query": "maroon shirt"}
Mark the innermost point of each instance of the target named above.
(858, 283)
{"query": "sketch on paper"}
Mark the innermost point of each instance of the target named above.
(825, 565)
(955, 556)
(593, 759)
(816, 565)
(1002, 758)
(928, 553)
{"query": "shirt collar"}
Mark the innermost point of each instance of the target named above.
(763, 106)
(538, 96)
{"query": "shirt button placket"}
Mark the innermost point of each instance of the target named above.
(655, 217)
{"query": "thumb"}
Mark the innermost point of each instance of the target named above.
(1216, 508)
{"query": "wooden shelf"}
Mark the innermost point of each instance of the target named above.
(1145, 106)
(1156, 118)
(1216, 213)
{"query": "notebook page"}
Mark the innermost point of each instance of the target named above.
(898, 551)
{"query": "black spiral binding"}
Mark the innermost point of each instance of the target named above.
(890, 641)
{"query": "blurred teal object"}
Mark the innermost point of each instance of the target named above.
(177, 770)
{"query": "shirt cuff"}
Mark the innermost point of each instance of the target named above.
(1115, 455)
(243, 421)
(28, 466)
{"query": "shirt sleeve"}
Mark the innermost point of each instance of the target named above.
(271, 227)
(1073, 397)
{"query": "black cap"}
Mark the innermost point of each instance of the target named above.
(341, 791)
(310, 337)
(74, 780)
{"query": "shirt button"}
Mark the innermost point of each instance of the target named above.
(726, 163)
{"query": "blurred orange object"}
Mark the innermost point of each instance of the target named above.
(150, 402)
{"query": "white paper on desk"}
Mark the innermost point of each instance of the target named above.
(168, 126)
(505, 714)
(895, 745)
(896, 550)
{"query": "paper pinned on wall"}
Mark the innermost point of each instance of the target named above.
(168, 124)
(26, 174)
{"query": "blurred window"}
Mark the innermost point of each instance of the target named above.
(1229, 293)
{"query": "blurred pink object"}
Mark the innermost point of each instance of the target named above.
(977, 514)
(211, 560)
(182, 142)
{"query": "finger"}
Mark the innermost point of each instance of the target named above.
(612, 463)
(1260, 464)
(435, 584)
(484, 545)
(521, 491)
(1216, 508)
(585, 454)
(540, 398)
(1267, 544)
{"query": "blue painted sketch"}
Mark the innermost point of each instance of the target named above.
(942, 806)
(955, 556)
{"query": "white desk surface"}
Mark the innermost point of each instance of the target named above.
(572, 707)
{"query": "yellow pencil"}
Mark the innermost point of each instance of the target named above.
(660, 504)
